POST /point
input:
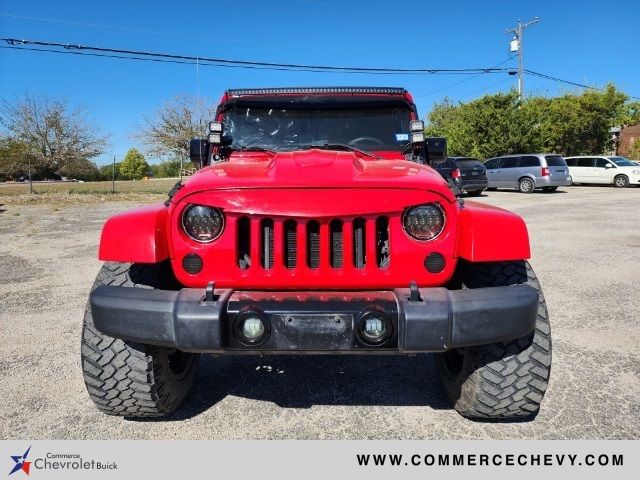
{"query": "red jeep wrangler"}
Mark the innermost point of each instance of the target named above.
(316, 225)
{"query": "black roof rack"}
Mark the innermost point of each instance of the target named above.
(317, 90)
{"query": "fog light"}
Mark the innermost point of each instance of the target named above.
(253, 328)
(374, 328)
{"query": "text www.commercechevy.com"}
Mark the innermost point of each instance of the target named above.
(488, 460)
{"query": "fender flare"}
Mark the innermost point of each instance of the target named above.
(491, 234)
(137, 236)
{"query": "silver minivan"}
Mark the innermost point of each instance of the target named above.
(526, 172)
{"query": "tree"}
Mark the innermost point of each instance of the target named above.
(167, 132)
(13, 158)
(134, 166)
(489, 126)
(570, 124)
(55, 134)
(79, 169)
(634, 151)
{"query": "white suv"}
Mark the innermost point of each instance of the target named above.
(610, 170)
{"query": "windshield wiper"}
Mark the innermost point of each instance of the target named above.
(337, 146)
(251, 148)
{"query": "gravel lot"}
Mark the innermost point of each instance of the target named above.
(586, 252)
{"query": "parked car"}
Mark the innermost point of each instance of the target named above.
(607, 170)
(313, 230)
(466, 173)
(526, 172)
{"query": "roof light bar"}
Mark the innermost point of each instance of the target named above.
(317, 90)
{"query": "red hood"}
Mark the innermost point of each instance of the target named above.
(315, 168)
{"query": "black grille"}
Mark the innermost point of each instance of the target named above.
(243, 251)
(290, 243)
(337, 243)
(313, 244)
(383, 257)
(266, 252)
(301, 244)
(359, 243)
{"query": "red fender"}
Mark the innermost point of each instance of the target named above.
(490, 234)
(137, 235)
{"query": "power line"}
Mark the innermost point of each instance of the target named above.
(171, 34)
(569, 82)
(140, 54)
(458, 83)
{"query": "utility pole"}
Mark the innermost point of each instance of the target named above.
(113, 175)
(30, 179)
(516, 44)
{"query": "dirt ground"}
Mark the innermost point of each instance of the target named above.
(586, 252)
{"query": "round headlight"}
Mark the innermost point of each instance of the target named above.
(425, 222)
(202, 224)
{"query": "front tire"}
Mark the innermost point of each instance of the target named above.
(621, 181)
(505, 380)
(131, 379)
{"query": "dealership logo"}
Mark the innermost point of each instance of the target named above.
(21, 462)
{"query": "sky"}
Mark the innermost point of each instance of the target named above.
(590, 42)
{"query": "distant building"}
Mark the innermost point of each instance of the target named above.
(628, 135)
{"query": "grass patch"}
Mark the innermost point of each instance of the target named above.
(159, 186)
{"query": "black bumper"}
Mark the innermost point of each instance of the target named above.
(425, 320)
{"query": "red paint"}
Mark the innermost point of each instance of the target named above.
(315, 185)
(488, 234)
(136, 236)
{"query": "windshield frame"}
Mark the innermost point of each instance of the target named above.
(284, 128)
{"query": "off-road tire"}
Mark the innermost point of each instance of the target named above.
(621, 181)
(526, 185)
(505, 380)
(131, 379)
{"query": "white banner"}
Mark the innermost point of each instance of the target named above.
(333, 460)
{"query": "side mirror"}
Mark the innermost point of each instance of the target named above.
(198, 151)
(608, 165)
(436, 150)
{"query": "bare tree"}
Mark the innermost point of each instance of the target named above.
(54, 133)
(166, 132)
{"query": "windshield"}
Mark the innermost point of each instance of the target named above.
(622, 162)
(376, 129)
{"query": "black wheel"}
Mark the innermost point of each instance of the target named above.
(504, 380)
(621, 181)
(526, 185)
(549, 189)
(475, 193)
(127, 378)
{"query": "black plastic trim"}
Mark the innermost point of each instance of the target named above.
(432, 319)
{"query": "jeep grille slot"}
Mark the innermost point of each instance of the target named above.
(290, 243)
(336, 244)
(266, 243)
(244, 243)
(382, 242)
(313, 244)
(359, 243)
